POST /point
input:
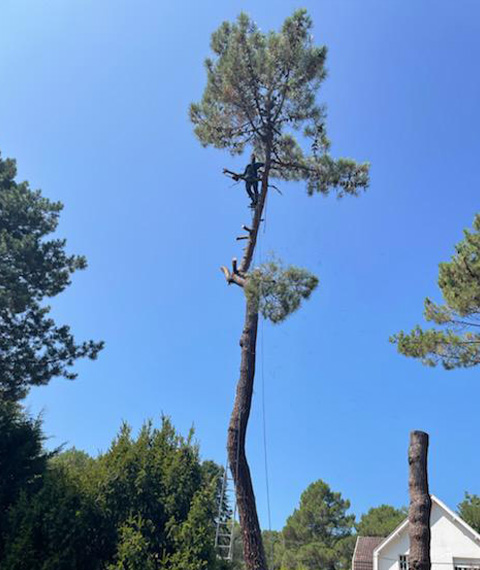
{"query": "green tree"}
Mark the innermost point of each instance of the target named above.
(274, 548)
(22, 458)
(33, 348)
(469, 510)
(319, 533)
(261, 91)
(148, 502)
(456, 341)
(59, 527)
(133, 552)
(381, 521)
(158, 479)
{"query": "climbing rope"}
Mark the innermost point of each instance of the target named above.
(264, 415)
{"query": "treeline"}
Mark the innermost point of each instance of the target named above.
(149, 502)
(321, 533)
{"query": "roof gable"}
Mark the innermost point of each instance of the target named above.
(453, 517)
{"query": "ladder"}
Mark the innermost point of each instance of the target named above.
(225, 522)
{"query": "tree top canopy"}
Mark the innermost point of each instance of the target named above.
(261, 90)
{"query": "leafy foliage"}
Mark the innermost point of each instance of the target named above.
(148, 503)
(261, 88)
(469, 510)
(457, 342)
(279, 291)
(319, 533)
(33, 349)
(381, 521)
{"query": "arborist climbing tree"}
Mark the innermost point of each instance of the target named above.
(251, 176)
(261, 89)
(252, 180)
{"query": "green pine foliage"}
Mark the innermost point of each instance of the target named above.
(261, 90)
(319, 533)
(261, 93)
(455, 343)
(278, 291)
(381, 521)
(33, 348)
(469, 510)
(274, 548)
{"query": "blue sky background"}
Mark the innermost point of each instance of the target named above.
(94, 104)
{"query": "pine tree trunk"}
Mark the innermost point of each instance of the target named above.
(253, 550)
(420, 502)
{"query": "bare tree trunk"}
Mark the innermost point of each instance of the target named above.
(253, 550)
(420, 502)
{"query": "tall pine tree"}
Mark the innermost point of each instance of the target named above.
(261, 90)
(33, 348)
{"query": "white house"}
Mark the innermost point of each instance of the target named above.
(454, 545)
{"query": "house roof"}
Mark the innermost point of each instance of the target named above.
(451, 515)
(368, 547)
(363, 555)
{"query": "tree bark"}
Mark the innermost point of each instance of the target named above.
(420, 502)
(253, 550)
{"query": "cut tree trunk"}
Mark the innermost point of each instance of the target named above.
(420, 502)
(253, 550)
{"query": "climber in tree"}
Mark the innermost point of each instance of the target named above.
(251, 178)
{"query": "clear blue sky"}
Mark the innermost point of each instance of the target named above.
(94, 106)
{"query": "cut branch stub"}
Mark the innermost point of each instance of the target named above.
(234, 275)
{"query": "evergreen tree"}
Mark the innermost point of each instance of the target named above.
(469, 510)
(133, 552)
(274, 548)
(319, 533)
(381, 521)
(158, 479)
(148, 502)
(456, 341)
(33, 348)
(23, 461)
(261, 90)
(60, 527)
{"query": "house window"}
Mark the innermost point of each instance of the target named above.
(403, 562)
(466, 564)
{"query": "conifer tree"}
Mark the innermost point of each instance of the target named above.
(455, 343)
(33, 348)
(319, 533)
(261, 91)
(469, 510)
(381, 521)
